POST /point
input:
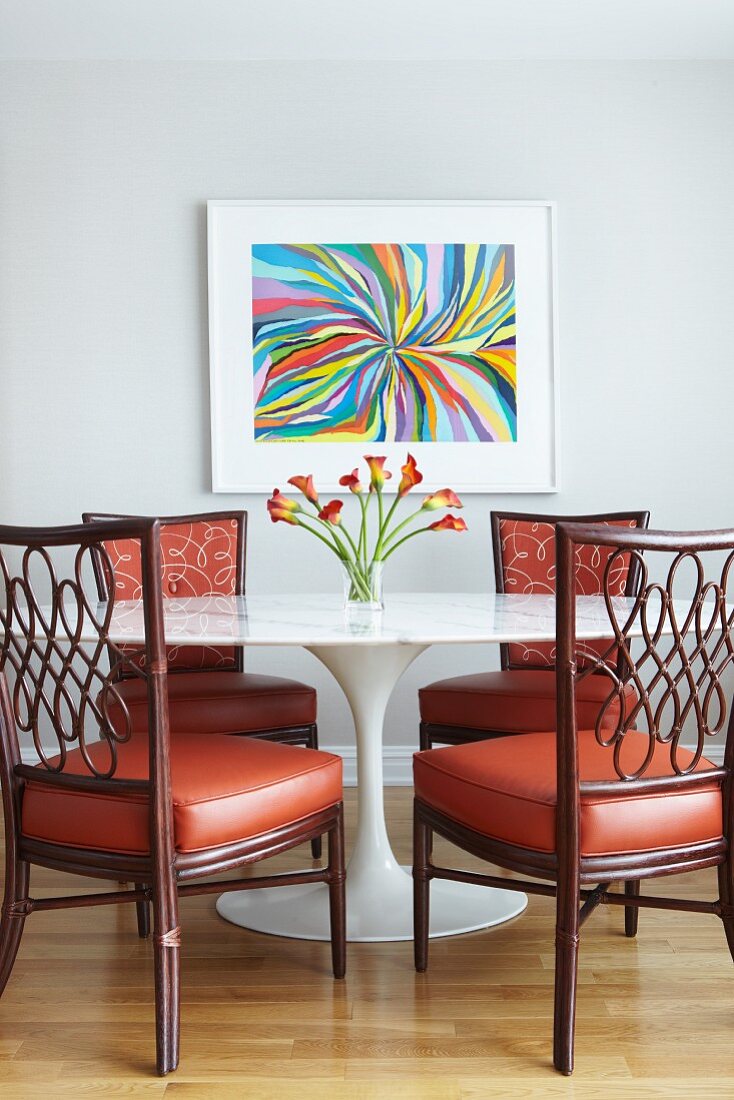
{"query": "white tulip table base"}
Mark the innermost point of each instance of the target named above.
(379, 890)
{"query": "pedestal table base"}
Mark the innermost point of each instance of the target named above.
(302, 913)
(379, 891)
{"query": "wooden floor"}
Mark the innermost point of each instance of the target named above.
(263, 1020)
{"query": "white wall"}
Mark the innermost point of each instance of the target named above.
(103, 329)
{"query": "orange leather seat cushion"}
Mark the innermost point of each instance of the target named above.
(506, 789)
(224, 702)
(514, 700)
(224, 789)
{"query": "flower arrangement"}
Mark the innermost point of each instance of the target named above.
(362, 562)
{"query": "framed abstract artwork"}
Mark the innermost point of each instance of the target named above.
(339, 329)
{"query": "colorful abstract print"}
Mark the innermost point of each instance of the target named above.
(384, 342)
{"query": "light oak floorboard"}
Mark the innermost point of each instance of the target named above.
(263, 1019)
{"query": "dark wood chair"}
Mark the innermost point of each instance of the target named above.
(209, 690)
(521, 697)
(114, 802)
(622, 800)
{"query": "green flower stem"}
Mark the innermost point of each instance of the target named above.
(330, 527)
(405, 538)
(400, 526)
(354, 555)
(357, 574)
(381, 521)
(359, 582)
(362, 540)
(335, 533)
(351, 542)
(384, 526)
(342, 556)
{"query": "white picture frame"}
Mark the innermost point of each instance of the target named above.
(241, 464)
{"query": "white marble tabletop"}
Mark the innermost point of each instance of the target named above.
(416, 618)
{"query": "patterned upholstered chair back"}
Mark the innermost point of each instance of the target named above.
(202, 555)
(525, 562)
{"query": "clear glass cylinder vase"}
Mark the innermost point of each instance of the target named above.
(362, 586)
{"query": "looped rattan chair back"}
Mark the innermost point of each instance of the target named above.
(670, 645)
(61, 667)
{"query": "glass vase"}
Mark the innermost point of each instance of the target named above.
(362, 587)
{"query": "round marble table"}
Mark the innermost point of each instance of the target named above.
(367, 656)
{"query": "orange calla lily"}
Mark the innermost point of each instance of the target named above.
(283, 508)
(331, 512)
(351, 481)
(448, 523)
(411, 476)
(378, 473)
(306, 486)
(444, 498)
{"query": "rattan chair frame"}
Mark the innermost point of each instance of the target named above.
(565, 874)
(164, 874)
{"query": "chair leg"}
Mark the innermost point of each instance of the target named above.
(167, 942)
(142, 910)
(422, 837)
(726, 896)
(14, 911)
(337, 898)
(567, 950)
(313, 743)
(631, 912)
(424, 737)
